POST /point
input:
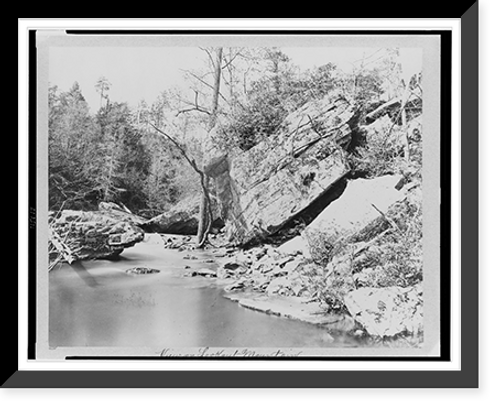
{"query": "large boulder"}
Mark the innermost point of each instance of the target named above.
(360, 208)
(387, 311)
(181, 219)
(261, 189)
(362, 205)
(93, 235)
(120, 213)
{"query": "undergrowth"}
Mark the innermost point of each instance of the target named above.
(389, 251)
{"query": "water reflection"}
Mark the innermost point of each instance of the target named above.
(84, 274)
(96, 303)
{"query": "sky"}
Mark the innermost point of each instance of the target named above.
(142, 73)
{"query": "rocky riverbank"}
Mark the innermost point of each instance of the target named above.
(321, 222)
(279, 281)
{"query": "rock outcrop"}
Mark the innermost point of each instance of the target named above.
(387, 311)
(363, 202)
(92, 235)
(261, 189)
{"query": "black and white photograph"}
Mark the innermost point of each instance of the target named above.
(238, 196)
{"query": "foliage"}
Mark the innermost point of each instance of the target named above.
(113, 156)
(72, 134)
(395, 259)
(279, 89)
(104, 157)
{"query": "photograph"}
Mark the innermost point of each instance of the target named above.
(240, 196)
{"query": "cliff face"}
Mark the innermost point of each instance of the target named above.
(261, 189)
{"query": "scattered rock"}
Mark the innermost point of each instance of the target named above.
(171, 241)
(142, 271)
(231, 266)
(190, 257)
(237, 285)
(281, 284)
(261, 282)
(207, 273)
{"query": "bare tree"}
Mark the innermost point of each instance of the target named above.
(205, 218)
(205, 213)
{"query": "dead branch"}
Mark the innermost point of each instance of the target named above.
(229, 62)
(207, 84)
(63, 249)
(393, 224)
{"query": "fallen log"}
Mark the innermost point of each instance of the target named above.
(63, 250)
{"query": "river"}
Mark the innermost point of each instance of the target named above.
(96, 304)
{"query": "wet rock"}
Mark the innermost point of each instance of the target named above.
(237, 285)
(171, 241)
(207, 273)
(387, 311)
(291, 307)
(190, 257)
(232, 266)
(142, 271)
(344, 323)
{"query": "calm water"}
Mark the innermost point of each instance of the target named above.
(98, 304)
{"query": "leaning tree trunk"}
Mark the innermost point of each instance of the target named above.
(205, 215)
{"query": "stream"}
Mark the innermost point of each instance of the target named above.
(96, 304)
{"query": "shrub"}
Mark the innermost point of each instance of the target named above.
(395, 258)
(391, 256)
(383, 151)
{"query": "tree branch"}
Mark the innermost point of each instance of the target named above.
(209, 55)
(180, 148)
(228, 63)
(207, 84)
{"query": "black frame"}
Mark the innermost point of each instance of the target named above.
(311, 379)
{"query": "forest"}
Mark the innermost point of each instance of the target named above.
(116, 155)
(222, 149)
